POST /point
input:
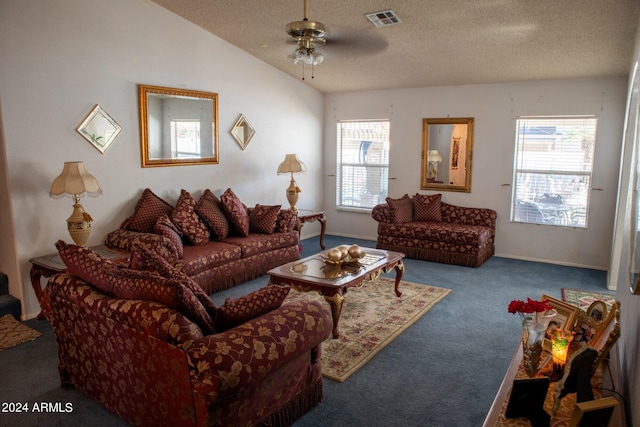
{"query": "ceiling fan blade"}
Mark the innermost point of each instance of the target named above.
(353, 44)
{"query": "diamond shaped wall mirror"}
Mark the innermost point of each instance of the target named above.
(100, 129)
(242, 131)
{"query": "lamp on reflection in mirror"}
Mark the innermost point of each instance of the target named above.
(291, 164)
(75, 182)
(433, 159)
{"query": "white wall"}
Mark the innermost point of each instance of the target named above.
(58, 59)
(619, 278)
(495, 108)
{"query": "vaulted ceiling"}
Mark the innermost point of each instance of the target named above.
(437, 43)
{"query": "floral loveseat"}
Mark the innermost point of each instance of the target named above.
(424, 227)
(217, 242)
(151, 347)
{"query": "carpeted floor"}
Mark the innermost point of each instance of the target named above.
(372, 316)
(14, 333)
(444, 370)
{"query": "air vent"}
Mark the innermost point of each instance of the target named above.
(383, 18)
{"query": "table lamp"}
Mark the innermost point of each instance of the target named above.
(75, 182)
(560, 343)
(292, 164)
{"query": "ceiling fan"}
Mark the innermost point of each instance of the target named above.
(307, 34)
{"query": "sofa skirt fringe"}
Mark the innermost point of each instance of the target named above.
(441, 257)
(295, 408)
(244, 269)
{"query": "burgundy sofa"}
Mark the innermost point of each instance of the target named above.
(424, 227)
(219, 243)
(153, 366)
(147, 343)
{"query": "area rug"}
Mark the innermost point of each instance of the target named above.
(583, 299)
(13, 332)
(372, 316)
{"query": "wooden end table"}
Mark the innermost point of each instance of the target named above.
(332, 281)
(48, 265)
(305, 216)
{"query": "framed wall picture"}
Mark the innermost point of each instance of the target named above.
(597, 412)
(566, 317)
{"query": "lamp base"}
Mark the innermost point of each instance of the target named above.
(79, 225)
(292, 194)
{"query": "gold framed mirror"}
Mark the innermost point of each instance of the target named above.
(178, 127)
(447, 151)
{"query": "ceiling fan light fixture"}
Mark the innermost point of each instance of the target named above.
(308, 56)
(306, 33)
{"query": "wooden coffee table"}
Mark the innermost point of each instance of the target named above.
(332, 281)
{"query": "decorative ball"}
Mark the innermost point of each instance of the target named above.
(344, 250)
(334, 254)
(355, 251)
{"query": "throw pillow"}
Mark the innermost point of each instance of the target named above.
(286, 222)
(236, 212)
(262, 219)
(145, 259)
(209, 210)
(168, 229)
(185, 218)
(240, 310)
(401, 209)
(150, 286)
(427, 208)
(148, 209)
(91, 267)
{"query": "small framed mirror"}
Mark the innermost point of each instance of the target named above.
(178, 127)
(447, 148)
(242, 131)
(100, 129)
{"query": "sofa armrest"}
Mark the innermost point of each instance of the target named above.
(125, 240)
(245, 354)
(469, 216)
(381, 213)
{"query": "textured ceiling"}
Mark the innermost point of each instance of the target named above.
(439, 42)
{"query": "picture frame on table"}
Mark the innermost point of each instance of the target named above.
(565, 318)
(594, 412)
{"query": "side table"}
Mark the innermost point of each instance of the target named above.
(48, 265)
(305, 216)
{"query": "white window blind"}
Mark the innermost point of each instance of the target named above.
(552, 173)
(362, 163)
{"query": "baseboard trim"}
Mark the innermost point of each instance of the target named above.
(550, 261)
(353, 236)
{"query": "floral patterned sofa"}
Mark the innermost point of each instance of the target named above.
(150, 346)
(424, 227)
(217, 242)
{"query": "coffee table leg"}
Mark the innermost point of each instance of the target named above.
(335, 302)
(399, 272)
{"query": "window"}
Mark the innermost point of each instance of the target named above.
(185, 139)
(362, 163)
(552, 173)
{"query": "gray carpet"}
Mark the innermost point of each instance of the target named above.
(442, 371)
